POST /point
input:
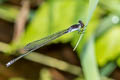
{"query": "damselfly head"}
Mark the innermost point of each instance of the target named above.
(81, 23)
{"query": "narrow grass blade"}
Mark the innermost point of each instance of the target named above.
(108, 69)
(91, 8)
(88, 61)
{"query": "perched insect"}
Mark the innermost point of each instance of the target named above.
(39, 43)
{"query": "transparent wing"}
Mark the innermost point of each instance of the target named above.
(37, 44)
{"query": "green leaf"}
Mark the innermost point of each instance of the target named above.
(38, 25)
(108, 46)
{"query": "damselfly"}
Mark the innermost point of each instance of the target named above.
(39, 43)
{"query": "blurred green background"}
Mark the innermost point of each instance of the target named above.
(97, 56)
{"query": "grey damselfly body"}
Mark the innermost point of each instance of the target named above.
(39, 43)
